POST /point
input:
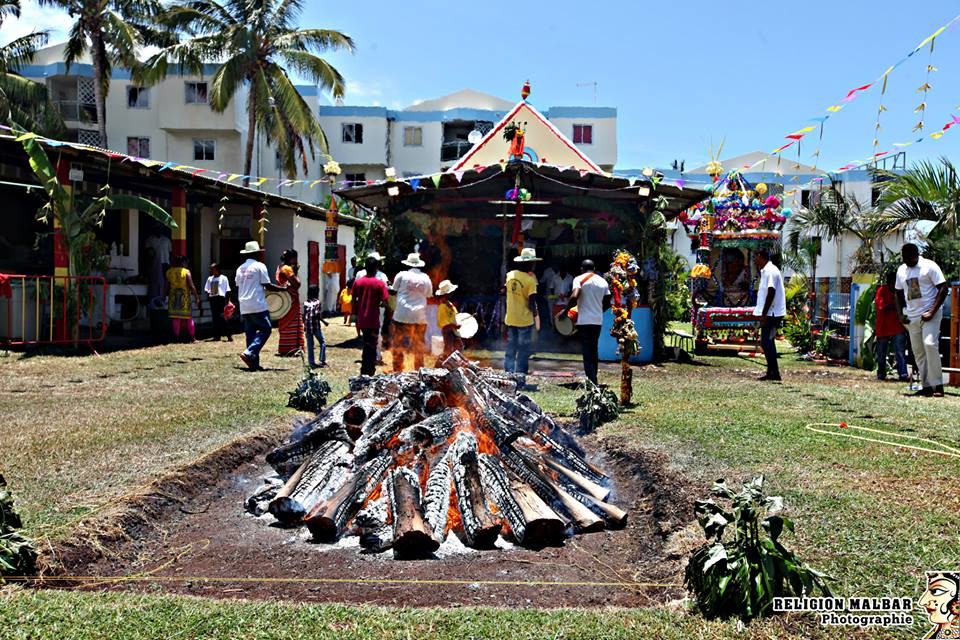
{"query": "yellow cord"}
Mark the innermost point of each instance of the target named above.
(943, 450)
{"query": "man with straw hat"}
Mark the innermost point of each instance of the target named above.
(252, 279)
(413, 287)
(521, 289)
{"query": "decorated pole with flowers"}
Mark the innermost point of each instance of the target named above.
(331, 257)
(625, 296)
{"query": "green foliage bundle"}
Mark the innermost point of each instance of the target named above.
(744, 566)
(311, 393)
(799, 332)
(17, 554)
(595, 406)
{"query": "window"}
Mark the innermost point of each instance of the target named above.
(583, 134)
(196, 92)
(413, 136)
(353, 133)
(138, 97)
(355, 178)
(138, 147)
(805, 198)
(204, 149)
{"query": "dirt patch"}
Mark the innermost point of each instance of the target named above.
(138, 514)
(206, 545)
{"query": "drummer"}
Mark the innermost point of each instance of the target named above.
(447, 321)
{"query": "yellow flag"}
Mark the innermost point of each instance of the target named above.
(936, 134)
(232, 177)
(835, 108)
(260, 181)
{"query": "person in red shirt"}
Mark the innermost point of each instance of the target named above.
(369, 295)
(889, 330)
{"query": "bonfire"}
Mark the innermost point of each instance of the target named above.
(407, 459)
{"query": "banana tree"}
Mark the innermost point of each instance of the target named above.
(79, 217)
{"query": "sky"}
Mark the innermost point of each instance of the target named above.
(684, 77)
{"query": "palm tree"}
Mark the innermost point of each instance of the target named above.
(255, 43)
(927, 192)
(22, 100)
(113, 31)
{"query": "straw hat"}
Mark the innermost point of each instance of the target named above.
(446, 287)
(413, 260)
(527, 255)
(376, 256)
(252, 247)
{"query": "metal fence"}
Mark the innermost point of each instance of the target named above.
(831, 307)
(37, 310)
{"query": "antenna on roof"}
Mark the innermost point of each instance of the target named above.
(593, 84)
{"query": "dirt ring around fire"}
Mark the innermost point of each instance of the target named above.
(187, 533)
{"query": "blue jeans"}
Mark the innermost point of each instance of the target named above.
(257, 328)
(318, 334)
(518, 349)
(900, 351)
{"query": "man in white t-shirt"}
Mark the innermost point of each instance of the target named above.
(591, 295)
(252, 280)
(921, 290)
(409, 325)
(217, 289)
(771, 308)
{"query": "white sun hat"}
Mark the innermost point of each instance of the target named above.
(446, 287)
(413, 260)
(527, 255)
(376, 256)
(252, 247)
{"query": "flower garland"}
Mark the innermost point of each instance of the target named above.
(625, 296)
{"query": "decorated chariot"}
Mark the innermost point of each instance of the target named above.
(726, 229)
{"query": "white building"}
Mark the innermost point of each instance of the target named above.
(434, 134)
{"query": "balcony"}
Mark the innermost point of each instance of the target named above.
(454, 150)
(77, 111)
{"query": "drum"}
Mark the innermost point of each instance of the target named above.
(278, 304)
(468, 325)
(563, 324)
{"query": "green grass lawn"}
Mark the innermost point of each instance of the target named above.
(81, 430)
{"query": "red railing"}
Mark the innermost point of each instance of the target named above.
(52, 309)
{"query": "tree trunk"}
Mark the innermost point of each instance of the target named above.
(251, 132)
(98, 51)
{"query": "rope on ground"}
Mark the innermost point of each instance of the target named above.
(307, 580)
(942, 449)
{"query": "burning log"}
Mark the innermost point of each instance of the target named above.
(582, 483)
(457, 361)
(288, 457)
(480, 528)
(412, 538)
(584, 519)
(436, 379)
(313, 482)
(570, 458)
(615, 517)
(431, 402)
(389, 387)
(436, 500)
(531, 523)
(258, 502)
(437, 428)
(381, 427)
(326, 521)
(503, 430)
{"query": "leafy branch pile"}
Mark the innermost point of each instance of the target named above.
(17, 555)
(741, 573)
(311, 393)
(596, 406)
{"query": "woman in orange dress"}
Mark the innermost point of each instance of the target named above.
(290, 325)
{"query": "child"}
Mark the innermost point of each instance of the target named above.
(447, 321)
(346, 302)
(312, 317)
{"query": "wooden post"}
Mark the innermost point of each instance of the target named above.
(955, 334)
(178, 208)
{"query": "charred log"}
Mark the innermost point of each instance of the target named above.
(502, 429)
(436, 499)
(584, 484)
(381, 427)
(412, 538)
(437, 428)
(313, 482)
(543, 525)
(326, 521)
(480, 528)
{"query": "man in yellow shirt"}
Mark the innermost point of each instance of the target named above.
(521, 287)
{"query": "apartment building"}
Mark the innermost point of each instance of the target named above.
(432, 135)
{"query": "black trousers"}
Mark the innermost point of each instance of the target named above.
(589, 342)
(368, 357)
(768, 342)
(217, 303)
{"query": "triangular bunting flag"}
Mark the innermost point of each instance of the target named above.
(415, 183)
(232, 177)
(459, 175)
(260, 181)
(924, 87)
(436, 179)
(315, 183)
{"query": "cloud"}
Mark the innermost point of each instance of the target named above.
(360, 89)
(33, 17)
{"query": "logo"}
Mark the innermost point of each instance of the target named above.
(941, 601)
